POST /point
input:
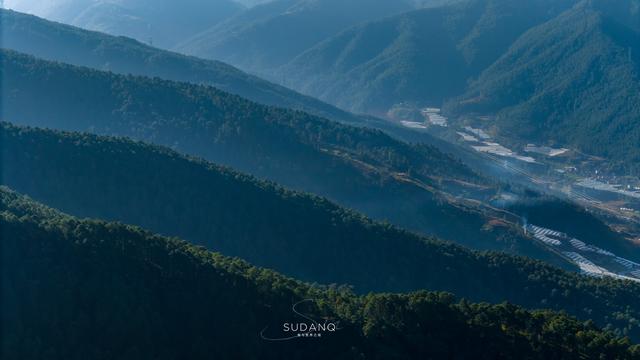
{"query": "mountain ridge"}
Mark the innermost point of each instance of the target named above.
(65, 43)
(177, 300)
(430, 57)
(300, 235)
(260, 38)
(163, 22)
(573, 81)
(359, 168)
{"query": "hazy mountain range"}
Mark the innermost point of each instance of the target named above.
(157, 202)
(561, 73)
(422, 56)
(479, 56)
(360, 168)
(357, 167)
(263, 38)
(59, 42)
(163, 23)
(475, 56)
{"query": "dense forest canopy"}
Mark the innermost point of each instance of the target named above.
(407, 207)
(158, 205)
(175, 300)
(422, 57)
(300, 235)
(60, 42)
(359, 168)
(561, 73)
(574, 81)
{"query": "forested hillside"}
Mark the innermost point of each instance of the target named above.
(197, 201)
(359, 168)
(423, 57)
(299, 235)
(175, 300)
(265, 37)
(574, 81)
(558, 73)
(157, 205)
(58, 42)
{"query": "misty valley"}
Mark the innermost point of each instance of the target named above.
(320, 179)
